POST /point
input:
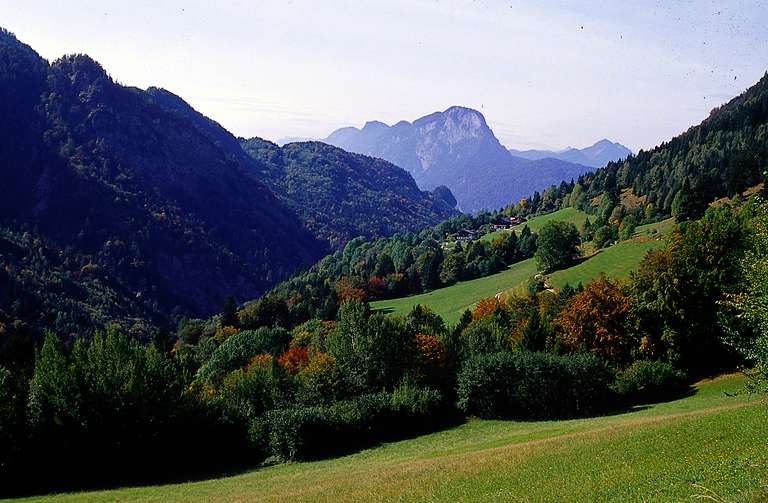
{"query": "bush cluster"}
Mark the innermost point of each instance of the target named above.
(647, 381)
(307, 432)
(530, 385)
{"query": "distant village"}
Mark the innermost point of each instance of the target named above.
(503, 223)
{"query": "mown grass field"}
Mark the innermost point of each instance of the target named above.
(570, 215)
(616, 261)
(452, 301)
(708, 446)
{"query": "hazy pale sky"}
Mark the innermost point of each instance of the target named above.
(544, 73)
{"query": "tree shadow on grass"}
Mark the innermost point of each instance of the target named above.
(647, 400)
(389, 433)
(615, 407)
(242, 463)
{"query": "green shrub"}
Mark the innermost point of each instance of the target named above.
(238, 350)
(531, 385)
(248, 393)
(557, 246)
(648, 381)
(371, 349)
(414, 401)
(304, 432)
(307, 432)
(604, 236)
(483, 336)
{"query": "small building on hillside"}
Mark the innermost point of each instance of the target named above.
(467, 235)
(507, 223)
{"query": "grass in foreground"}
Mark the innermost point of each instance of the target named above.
(707, 444)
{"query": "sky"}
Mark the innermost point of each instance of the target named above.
(546, 74)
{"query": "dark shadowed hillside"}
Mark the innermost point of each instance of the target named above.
(341, 195)
(336, 194)
(162, 211)
(160, 204)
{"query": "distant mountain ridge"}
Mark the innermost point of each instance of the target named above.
(458, 149)
(281, 142)
(596, 156)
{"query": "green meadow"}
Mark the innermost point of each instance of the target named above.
(570, 215)
(450, 302)
(709, 446)
(616, 261)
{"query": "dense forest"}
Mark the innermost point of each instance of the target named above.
(158, 208)
(403, 264)
(341, 196)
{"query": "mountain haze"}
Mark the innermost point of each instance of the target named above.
(596, 156)
(458, 149)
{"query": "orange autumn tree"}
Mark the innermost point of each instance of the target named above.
(346, 291)
(263, 360)
(430, 357)
(294, 359)
(598, 320)
(485, 307)
(321, 381)
(377, 287)
(224, 333)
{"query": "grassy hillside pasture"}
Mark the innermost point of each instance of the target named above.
(655, 229)
(570, 215)
(707, 446)
(450, 302)
(616, 261)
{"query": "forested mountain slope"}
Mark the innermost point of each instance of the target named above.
(160, 210)
(161, 205)
(341, 195)
(721, 157)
